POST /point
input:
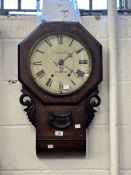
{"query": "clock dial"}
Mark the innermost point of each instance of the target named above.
(60, 64)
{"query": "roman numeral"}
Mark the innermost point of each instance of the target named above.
(80, 73)
(60, 39)
(48, 42)
(73, 82)
(40, 74)
(37, 63)
(80, 50)
(49, 82)
(83, 61)
(71, 42)
(40, 51)
(60, 87)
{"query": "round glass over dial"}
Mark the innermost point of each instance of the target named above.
(60, 64)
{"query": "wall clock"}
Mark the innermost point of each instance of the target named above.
(60, 67)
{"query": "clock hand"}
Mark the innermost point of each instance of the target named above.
(61, 61)
(71, 71)
(68, 56)
(79, 73)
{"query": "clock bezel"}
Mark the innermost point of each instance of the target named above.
(73, 28)
(53, 34)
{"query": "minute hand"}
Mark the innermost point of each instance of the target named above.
(71, 71)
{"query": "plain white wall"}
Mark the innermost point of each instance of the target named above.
(17, 135)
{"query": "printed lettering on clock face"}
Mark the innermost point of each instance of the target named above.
(60, 64)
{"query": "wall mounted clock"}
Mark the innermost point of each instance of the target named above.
(60, 67)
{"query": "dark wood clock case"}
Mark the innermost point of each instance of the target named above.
(60, 121)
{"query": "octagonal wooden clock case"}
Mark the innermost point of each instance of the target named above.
(60, 67)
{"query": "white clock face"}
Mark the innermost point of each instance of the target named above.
(60, 64)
